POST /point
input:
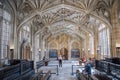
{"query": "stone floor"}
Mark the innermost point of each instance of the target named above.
(64, 72)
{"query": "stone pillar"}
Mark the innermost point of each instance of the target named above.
(69, 49)
(42, 47)
(96, 45)
(82, 49)
(46, 49)
(87, 46)
(1, 19)
(15, 39)
(115, 30)
(33, 50)
(113, 43)
(59, 45)
(31, 32)
(40, 55)
(36, 48)
(33, 43)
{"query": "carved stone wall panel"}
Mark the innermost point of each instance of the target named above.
(63, 44)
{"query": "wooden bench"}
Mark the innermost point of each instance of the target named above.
(46, 76)
(109, 68)
(102, 77)
(93, 78)
(40, 76)
(81, 76)
(39, 64)
(37, 76)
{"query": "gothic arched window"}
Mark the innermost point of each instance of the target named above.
(6, 26)
(104, 41)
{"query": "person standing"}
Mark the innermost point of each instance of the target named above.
(60, 61)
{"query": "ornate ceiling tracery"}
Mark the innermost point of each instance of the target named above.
(59, 15)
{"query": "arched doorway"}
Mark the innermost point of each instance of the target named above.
(27, 53)
(64, 53)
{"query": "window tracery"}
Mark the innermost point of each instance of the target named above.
(104, 41)
(6, 31)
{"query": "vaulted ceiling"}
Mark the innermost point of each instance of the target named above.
(73, 17)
